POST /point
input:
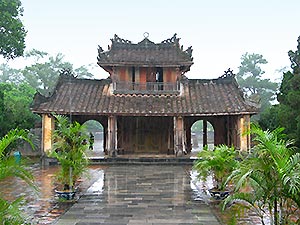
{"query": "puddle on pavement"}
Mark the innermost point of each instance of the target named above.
(97, 186)
(199, 187)
(43, 207)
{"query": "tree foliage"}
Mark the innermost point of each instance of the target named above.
(12, 31)
(250, 79)
(10, 75)
(15, 103)
(287, 113)
(44, 72)
(18, 86)
(269, 118)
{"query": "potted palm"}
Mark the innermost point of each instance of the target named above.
(69, 146)
(218, 163)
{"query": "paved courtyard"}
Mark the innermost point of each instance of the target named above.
(141, 195)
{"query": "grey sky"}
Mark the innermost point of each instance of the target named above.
(219, 31)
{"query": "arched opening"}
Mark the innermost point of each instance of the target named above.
(96, 138)
(202, 133)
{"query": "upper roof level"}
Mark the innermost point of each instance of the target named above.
(168, 53)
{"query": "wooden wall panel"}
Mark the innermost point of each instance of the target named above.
(144, 134)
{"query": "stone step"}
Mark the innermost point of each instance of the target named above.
(142, 160)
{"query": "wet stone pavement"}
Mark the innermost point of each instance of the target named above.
(141, 195)
(42, 207)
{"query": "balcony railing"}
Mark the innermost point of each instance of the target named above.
(145, 88)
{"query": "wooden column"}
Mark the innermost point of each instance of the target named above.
(204, 133)
(170, 147)
(47, 128)
(188, 135)
(244, 136)
(115, 133)
(105, 140)
(178, 136)
(228, 131)
(248, 123)
(112, 136)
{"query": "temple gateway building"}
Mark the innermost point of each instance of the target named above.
(148, 105)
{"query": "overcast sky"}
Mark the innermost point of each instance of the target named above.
(219, 31)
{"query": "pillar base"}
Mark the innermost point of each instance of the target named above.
(179, 151)
(112, 153)
(48, 161)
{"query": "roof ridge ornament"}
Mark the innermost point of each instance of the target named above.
(117, 39)
(100, 49)
(67, 73)
(101, 53)
(146, 35)
(227, 74)
(173, 39)
(188, 51)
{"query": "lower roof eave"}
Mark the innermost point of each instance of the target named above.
(144, 113)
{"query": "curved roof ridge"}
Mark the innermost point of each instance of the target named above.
(168, 52)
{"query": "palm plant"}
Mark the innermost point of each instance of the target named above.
(219, 162)
(272, 171)
(69, 149)
(9, 167)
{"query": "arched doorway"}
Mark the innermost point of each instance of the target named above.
(96, 134)
(202, 132)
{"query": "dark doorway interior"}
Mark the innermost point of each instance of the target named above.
(151, 135)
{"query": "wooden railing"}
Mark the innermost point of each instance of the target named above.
(146, 88)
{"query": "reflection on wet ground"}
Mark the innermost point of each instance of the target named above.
(43, 207)
(125, 194)
(143, 193)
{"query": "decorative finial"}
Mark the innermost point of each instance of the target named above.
(146, 35)
(227, 74)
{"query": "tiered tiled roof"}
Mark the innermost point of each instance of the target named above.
(94, 97)
(146, 53)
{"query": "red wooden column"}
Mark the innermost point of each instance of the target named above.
(179, 146)
(112, 136)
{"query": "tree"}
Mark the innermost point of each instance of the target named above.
(15, 101)
(10, 212)
(269, 118)
(12, 31)
(18, 86)
(289, 98)
(43, 74)
(10, 75)
(250, 79)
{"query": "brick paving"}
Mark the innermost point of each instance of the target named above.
(140, 195)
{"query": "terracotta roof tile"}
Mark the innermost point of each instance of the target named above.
(93, 97)
(145, 53)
